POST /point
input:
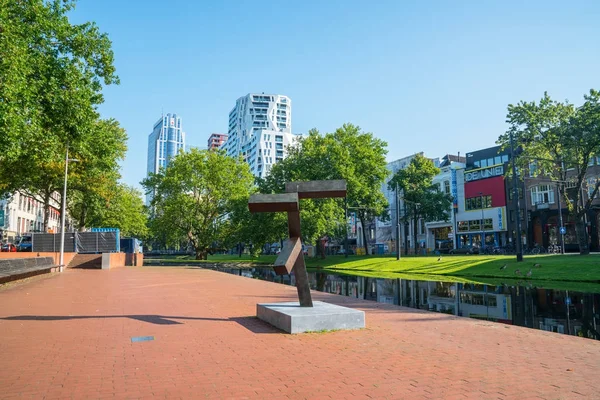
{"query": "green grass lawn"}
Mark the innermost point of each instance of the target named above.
(573, 268)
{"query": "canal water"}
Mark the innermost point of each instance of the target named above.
(572, 312)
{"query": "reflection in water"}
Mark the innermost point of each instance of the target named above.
(561, 311)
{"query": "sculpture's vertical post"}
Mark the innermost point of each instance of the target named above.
(300, 273)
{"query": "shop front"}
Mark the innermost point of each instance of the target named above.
(473, 230)
(544, 229)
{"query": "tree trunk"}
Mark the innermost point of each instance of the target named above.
(46, 210)
(582, 240)
(364, 232)
(82, 217)
(201, 254)
(416, 244)
(321, 279)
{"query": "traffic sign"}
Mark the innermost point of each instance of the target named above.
(563, 230)
(568, 300)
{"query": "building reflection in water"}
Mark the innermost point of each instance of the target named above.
(520, 303)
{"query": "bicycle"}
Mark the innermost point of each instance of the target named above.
(537, 249)
(554, 249)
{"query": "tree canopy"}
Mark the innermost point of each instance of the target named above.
(195, 195)
(51, 75)
(51, 78)
(423, 199)
(557, 142)
(348, 153)
(119, 206)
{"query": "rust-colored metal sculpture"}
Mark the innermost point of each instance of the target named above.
(291, 256)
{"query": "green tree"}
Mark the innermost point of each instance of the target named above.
(423, 199)
(195, 195)
(557, 142)
(51, 78)
(348, 153)
(94, 179)
(90, 178)
(122, 207)
(255, 230)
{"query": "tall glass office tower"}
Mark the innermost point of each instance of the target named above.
(165, 141)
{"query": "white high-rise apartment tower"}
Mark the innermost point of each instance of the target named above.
(260, 129)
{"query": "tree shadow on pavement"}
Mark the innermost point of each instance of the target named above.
(251, 323)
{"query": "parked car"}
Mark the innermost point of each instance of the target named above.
(24, 243)
(445, 246)
(468, 249)
(8, 247)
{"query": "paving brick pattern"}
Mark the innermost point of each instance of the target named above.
(69, 336)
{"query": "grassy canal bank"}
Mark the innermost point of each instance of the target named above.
(568, 268)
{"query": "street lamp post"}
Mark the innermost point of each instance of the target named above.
(560, 221)
(397, 224)
(516, 204)
(346, 226)
(61, 261)
(482, 228)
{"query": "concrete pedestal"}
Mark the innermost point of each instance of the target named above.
(292, 318)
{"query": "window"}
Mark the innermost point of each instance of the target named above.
(497, 160)
(477, 299)
(463, 226)
(475, 225)
(591, 185)
(532, 168)
(278, 138)
(488, 224)
(504, 159)
(511, 195)
(477, 164)
(490, 162)
(484, 163)
(542, 194)
(422, 226)
(475, 203)
(491, 301)
(447, 187)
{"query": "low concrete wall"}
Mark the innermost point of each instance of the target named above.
(113, 260)
(28, 254)
(134, 259)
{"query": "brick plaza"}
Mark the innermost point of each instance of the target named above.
(69, 335)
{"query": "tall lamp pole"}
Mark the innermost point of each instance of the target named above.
(61, 261)
(516, 204)
(397, 224)
(346, 226)
(482, 228)
(560, 221)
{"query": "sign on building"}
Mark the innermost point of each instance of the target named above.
(483, 173)
(454, 188)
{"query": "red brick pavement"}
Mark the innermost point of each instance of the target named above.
(209, 345)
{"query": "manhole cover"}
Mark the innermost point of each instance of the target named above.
(141, 338)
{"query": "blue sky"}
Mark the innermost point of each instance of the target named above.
(431, 76)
